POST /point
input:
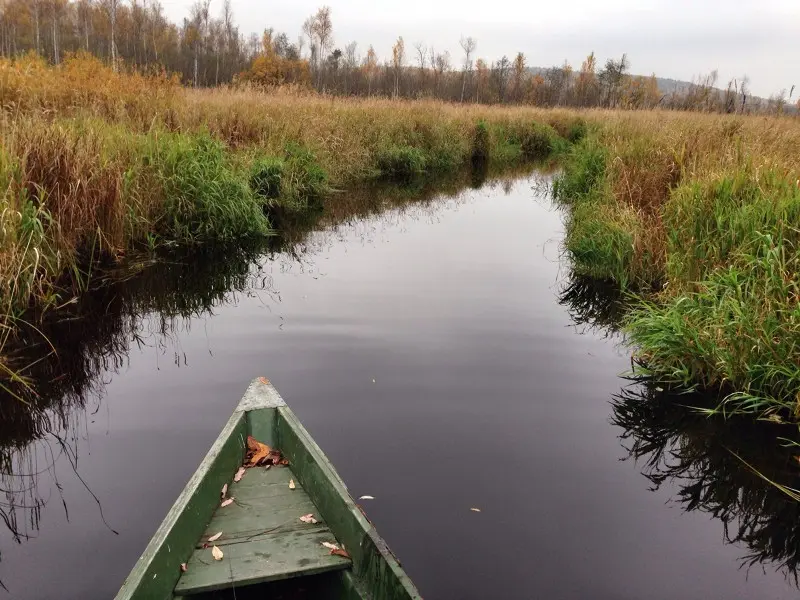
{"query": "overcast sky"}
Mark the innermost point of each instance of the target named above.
(673, 38)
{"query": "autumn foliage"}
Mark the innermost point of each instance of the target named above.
(270, 68)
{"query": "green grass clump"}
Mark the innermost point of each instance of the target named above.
(583, 174)
(203, 197)
(576, 131)
(730, 318)
(305, 178)
(600, 241)
(710, 224)
(738, 331)
(400, 162)
(538, 141)
(266, 176)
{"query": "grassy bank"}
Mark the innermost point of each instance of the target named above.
(699, 217)
(94, 163)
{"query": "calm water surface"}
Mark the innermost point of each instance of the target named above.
(426, 350)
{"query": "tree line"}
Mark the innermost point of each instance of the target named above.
(208, 50)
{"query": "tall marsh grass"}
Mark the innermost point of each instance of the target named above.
(699, 217)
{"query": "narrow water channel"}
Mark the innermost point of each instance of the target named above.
(442, 357)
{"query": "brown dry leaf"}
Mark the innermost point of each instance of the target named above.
(256, 451)
(215, 537)
(330, 546)
(224, 491)
(184, 568)
(309, 518)
(227, 502)
(340, 552)
(264, 380)
(216, 553)
(291, 484)
(239, 474)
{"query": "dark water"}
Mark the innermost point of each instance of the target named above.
(443, 358)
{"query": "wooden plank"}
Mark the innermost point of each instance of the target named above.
(290, 554)
(263, 538)
(158, 569)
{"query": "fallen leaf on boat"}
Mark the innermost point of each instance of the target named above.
(224, 491)
(330, 546)
(215, 537)
(291, 484)
(340, 552)
(366, 497)
(309, 518)
(256, 451)
(264, 380)
(184, 568)
(227, 502)
(239, 474)
(216, 553)
(475, 509)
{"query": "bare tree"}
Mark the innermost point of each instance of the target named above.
(398, 59)
(441, 65)
(422, 56)
(468, 45)
(322, 27)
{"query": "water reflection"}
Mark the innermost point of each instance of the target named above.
(593, 305)
(710, 464)
(67, 358)
(704, 460)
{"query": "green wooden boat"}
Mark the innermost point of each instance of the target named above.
(267, 550)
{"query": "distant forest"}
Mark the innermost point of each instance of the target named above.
(207, 50)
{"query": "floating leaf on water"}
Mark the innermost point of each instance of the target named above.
(216, 553)
(309, 518)
(215, 537)
(239, 474)
(330, 546)
(227, 502)
(224, 491)
(184, 568)
(366, 497)
(473, 509)
(340, 552)
(291, 484)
